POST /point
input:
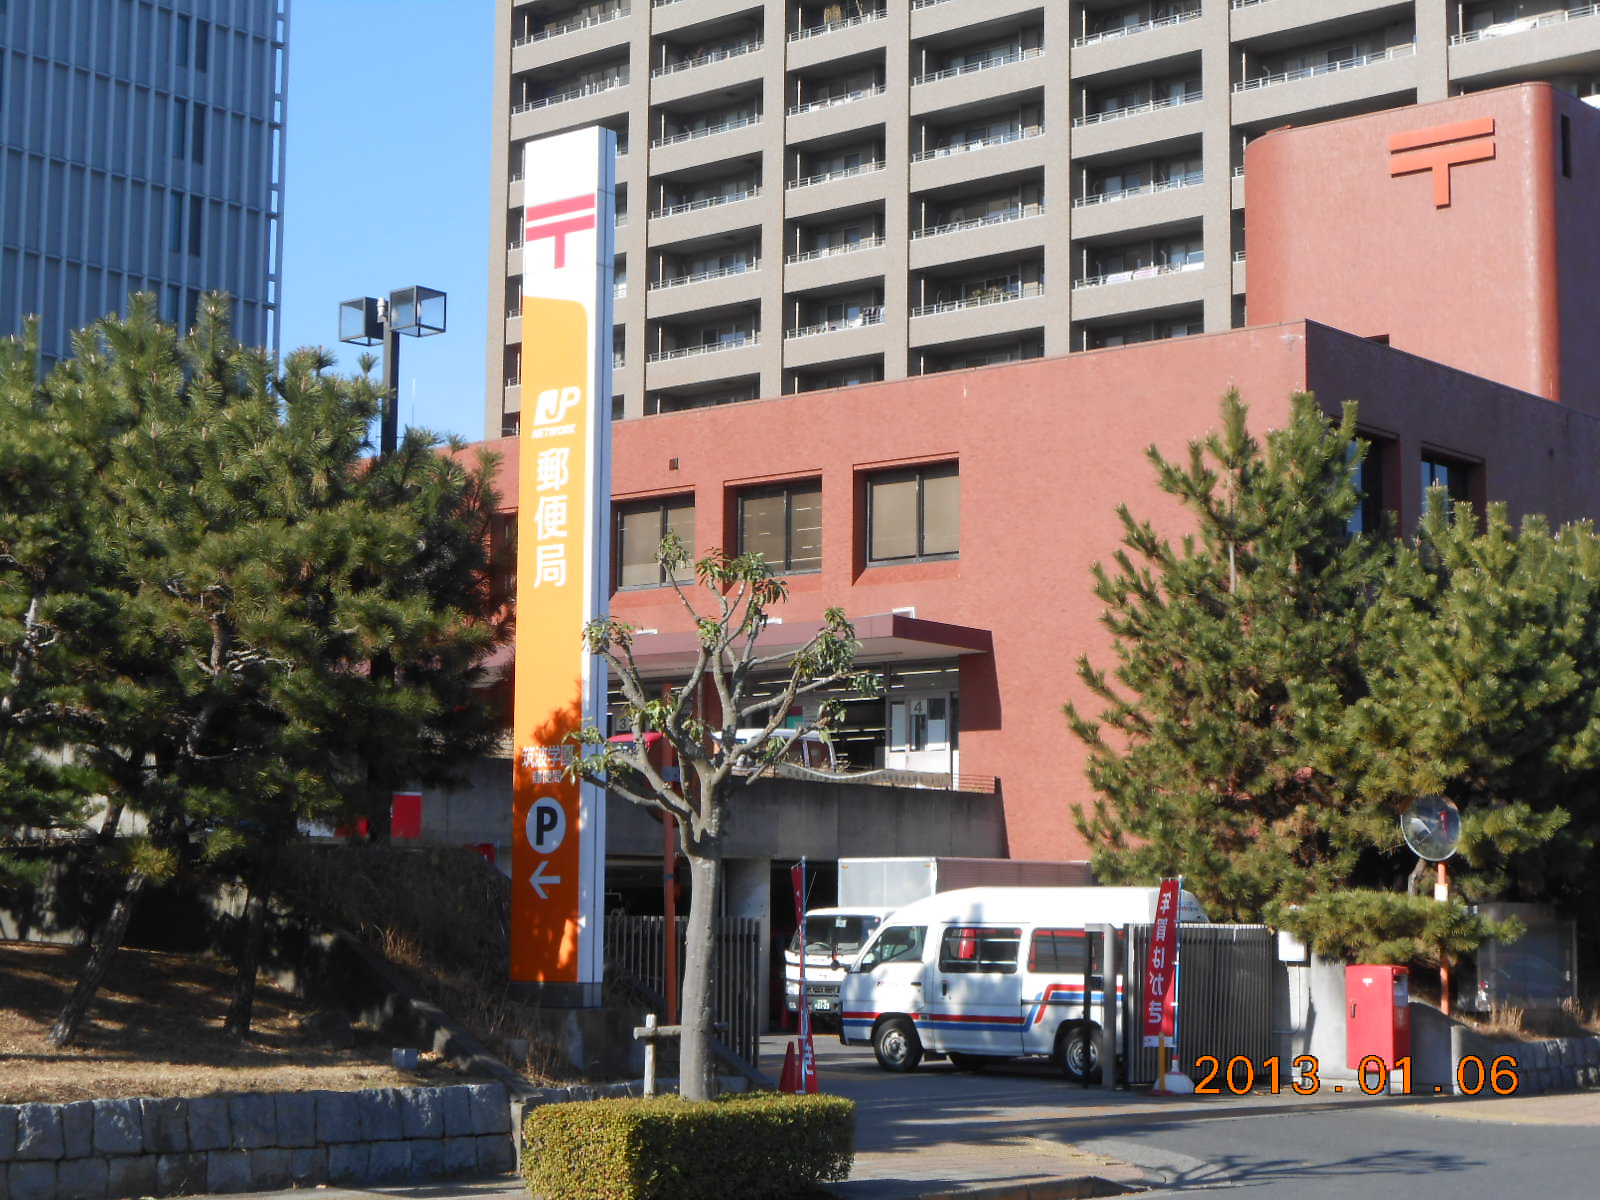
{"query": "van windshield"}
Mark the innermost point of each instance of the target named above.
(838, 936)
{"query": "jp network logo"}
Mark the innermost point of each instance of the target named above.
(553, 405)
(1440, 148)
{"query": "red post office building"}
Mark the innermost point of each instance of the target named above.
(1435, 263)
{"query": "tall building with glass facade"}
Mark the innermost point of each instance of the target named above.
(814, 195)
(141, 149)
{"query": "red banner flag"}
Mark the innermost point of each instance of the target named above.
(1158, 1010)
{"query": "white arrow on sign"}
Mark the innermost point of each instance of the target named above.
(539, 879)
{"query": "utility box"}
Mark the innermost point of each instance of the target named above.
(1376, 1021)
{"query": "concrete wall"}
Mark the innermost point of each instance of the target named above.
(103, 1149)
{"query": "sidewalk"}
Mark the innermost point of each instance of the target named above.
(937, 1140)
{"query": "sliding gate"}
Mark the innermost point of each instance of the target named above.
(1225, 975)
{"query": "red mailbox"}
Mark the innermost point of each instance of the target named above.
(1376, 1020)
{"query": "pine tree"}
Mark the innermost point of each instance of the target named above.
(1230, 645)
(1482, 662)
(1285, 688)
(258, 561)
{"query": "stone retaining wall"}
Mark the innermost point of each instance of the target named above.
(105, 1149)
(1550, 1065)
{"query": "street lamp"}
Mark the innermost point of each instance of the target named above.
(368, 321)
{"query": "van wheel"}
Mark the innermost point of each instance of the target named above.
(896, 1045)
(1078, 1052)
(968, 1062)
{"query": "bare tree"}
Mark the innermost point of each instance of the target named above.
(723, 732)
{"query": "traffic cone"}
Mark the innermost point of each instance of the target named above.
(789, 1081)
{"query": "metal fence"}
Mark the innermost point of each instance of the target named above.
(636, 946)
(1224, 997)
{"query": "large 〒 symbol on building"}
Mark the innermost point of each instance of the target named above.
(1440, 148)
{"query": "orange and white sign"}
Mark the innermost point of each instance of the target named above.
(563, 523)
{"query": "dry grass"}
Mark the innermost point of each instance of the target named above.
(443, 916)
(1510, 1022)
(156, 1030)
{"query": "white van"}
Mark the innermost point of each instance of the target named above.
(982, 974)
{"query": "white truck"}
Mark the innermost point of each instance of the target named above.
(983, 974)
(872, 888)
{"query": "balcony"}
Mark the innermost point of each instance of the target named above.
(1193, 179)
(1111, 35)
(702, 60)
(734, 343)
(999, 139)
(1348, 64)
(1150, 272)
(833, 101)
(588, 89)
(869, 316)
(830, 251)
(1021, 291)
(676, 139)
(811, 31)
(673, 281)
(1019, 213)
(673, 210)
(999, 60)
(830, 176)
(1134, 110)
(550, 31)
(1523, 25)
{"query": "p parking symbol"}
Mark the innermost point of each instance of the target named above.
(546, 825)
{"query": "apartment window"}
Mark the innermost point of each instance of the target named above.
(640, 528)
(183, 40)
(197, 138)
(197, 216)
(180, 128)
(965, 949)
(1453, 477)
(175, 224)
(783, 524)
(847, 376)
(202, 45)
(914, 513)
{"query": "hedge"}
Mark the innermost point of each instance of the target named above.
(665, 1148)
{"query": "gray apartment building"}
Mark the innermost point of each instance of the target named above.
(141, 149)
(812, 195)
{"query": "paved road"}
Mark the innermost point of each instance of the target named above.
(937, 1128)
(1511, 1149)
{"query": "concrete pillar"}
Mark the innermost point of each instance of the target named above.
(749, 894)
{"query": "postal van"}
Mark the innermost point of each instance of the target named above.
(983, 974)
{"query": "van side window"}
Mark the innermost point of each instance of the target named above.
(1059, 952)
(901, 943)
(973, 949)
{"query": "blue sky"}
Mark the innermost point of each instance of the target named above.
(387, 184)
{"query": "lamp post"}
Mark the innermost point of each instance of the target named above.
(368, 321)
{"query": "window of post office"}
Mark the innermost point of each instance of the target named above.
(1367, 516)
(914, 514)
(1453, 477)
(640, 528)
(783, 524)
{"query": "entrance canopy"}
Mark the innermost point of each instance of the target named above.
(884, 637)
